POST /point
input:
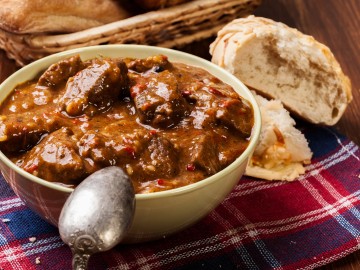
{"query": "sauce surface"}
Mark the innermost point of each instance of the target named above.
(166, 124)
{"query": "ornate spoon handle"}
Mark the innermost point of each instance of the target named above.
(80, 261)
(82, 247)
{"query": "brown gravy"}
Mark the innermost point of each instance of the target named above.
(166, 124)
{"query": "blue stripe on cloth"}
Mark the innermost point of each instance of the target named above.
(3, 240)
(346, 224)
(246, 257)
(25, 223)
(355, 212)
(268, 256)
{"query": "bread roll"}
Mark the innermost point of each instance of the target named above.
(34, 16)
(282, 150)
(282, 63)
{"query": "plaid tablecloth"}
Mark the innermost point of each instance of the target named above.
(261, 225)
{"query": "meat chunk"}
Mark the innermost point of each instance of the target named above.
(212, 107)
(19, 132)
(60, 72)
(92, 145)
(204, 111)
(159, 101)
(94, 88)
(204, 154)
(159, 160)
(118, 143)
(237, 114)
(155, 63)
(56, 159)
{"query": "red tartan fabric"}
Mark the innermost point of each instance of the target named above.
(260, 225)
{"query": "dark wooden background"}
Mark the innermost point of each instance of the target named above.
(335, 23)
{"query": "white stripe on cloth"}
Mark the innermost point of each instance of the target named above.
(339, 141)
(336, 195)
(344, 152)
(11, 203)
(333, 211)
(254, 235)
(237, 242)
(8, 254)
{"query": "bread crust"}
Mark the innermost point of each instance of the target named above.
(302, 64)
(37, 16)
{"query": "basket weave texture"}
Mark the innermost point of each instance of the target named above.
(169, 27)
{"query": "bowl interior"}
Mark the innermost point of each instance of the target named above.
(139, 51)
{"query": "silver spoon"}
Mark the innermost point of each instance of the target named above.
(97, 215)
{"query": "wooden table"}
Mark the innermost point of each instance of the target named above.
(335, 23)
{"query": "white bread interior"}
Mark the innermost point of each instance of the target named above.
(282, 150)
(282, 63)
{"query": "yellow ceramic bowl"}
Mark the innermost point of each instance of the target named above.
(157, 214)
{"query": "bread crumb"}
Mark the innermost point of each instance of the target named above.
(5, 220)
(37, 260)
(32, 239)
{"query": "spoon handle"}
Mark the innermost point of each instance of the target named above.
(80, 261)
(82, 247)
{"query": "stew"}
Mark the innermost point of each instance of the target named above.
(166, 124)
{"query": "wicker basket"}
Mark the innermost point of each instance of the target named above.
(169, 27)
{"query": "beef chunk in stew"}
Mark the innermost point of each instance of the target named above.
(117, 143)
(55, 158)
(59, 73)
(236, 114)
(213, 106)
(159, 101)
(159, 160)
(19, 132)
(204, 154)
(95, 88)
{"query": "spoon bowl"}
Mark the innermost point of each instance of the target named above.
(98, 214)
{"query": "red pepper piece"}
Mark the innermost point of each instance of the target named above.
(160, 182)
(31, 168)
(190, 167)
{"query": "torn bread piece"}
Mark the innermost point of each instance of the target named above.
(282, 63)
(282, 150)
